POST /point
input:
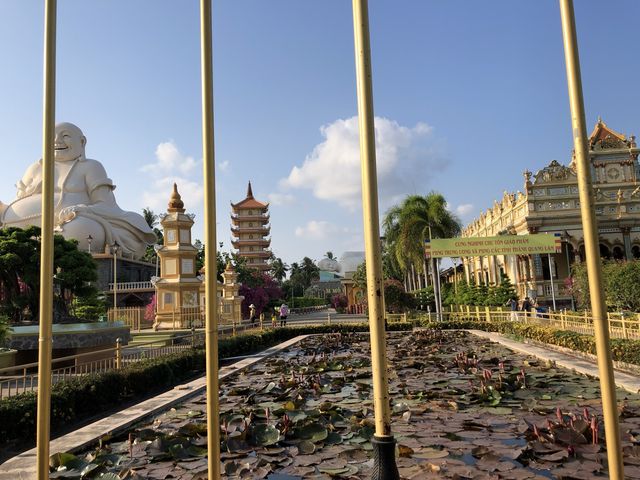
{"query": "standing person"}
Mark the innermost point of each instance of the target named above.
(252, 314)
(526, 306)
(274, 315)
(284, 313)
(512, 303)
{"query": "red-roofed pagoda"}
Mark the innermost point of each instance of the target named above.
(249, 229)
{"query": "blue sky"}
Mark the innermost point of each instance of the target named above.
(468, 94)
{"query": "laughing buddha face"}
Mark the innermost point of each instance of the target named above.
(69, 142)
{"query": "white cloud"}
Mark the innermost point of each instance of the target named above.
(157, 197)
(464, 209)
(281, 198)
(171, 167)
(319, 230)
(224, 166)
(169, 159)
(406, 159)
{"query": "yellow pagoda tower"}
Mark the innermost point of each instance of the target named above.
(250, 227)
(177, 288)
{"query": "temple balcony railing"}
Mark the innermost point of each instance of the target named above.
(131, 286)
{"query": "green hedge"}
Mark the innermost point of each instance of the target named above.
(304, 302)
(85, 396)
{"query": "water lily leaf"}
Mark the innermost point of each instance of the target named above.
(264, 435)
(237, 444)
(197, 451)
(192, 429)
(178, 452)
(63, 459)
(314, 432)
(404, 451)
(430, 453)
(305, 447)
(109, 476)
(268, 388)
(333, 438)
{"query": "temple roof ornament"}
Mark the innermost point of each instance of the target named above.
(554, 172)
(175, 201)
(604, 138)
(249, 201)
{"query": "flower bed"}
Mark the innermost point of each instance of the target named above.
(462, 408)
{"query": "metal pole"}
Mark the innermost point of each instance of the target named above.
(590, 231)
(553, 291)
(211, 304)
(383, 442)
(455, 276)
(115, 281)
(46, 252)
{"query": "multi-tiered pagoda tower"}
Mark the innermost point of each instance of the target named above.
(249, 228)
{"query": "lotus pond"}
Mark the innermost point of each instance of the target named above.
(462, 408)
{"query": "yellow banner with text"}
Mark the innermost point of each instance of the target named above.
(501, 245)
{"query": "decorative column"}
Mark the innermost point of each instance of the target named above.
(626, 238)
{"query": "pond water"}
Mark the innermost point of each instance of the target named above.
(462, 408)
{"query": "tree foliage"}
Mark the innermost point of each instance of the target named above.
(278, 269)
(621, 285)
(20, 273)
(262, 291)
(407, 225)
(396, 300)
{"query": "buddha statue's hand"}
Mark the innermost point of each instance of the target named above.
(69, 213)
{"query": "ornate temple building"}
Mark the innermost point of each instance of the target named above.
(549, 203)
(180, 289)
(179, 285)
(250, 228)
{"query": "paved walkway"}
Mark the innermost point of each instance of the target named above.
(23, 466)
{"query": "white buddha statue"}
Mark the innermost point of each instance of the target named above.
(84, 204)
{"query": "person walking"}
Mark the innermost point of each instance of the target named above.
(526, 307)
(284, 313)
(252, 314)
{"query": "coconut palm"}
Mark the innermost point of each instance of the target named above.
(279, 269)
(415, 220)
(150, 217)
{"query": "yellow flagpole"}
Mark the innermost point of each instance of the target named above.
(590, 230)
(46, 245)
(210, 264)
(383, 442)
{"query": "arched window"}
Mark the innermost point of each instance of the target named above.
(605, 252)
(635, 250)
(618, 252)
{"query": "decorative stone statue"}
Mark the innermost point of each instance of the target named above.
(84, 204)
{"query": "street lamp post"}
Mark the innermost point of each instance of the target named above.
(114, 249)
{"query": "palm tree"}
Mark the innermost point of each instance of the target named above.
(150, 217)
(310, 271)
(329, 255)
(415, 220)
(279, 269)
